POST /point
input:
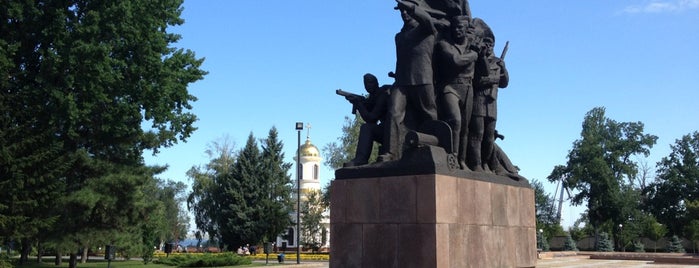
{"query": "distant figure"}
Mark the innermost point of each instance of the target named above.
(414, 89)
(491, 74)
(253, 250)
(373, 110)
(454, 69)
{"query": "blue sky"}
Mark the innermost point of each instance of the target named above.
(274, 63)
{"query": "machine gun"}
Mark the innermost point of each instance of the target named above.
(349, 96)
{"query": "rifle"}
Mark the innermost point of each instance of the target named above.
(504, 50)
(349, 96)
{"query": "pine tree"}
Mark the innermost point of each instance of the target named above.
(80, 79)
(239, 192)
(570, 244)
(604, 243)
(276, 182)
(675, 245)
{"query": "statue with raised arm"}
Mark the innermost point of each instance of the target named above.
(413, 90)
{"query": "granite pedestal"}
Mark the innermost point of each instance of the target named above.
(431, 220)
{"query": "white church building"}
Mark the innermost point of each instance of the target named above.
(309, 171)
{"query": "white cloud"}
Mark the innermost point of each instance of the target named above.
(663, 6)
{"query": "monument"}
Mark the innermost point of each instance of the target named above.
(442, 193)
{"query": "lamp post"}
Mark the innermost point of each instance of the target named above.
(621, 242)
(299, 127)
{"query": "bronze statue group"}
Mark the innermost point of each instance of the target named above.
(446, 74)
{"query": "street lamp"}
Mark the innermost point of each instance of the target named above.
(621, 242)
(299, 127)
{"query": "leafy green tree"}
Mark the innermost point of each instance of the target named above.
(172, 196)
(655, 231)
(545, 211)
(311, 220)
(83, 77)
(691, 230)
(600, 163)
(203, 201)
(342, 151)
(544, 204)
(676, 185)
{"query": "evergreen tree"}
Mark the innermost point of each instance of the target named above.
(82, 78)
(675, 245)
(276, 182)
(604, 243)
(239, 193)
(570, 244)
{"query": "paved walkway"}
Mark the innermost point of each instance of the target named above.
(585, 261)
(568, 262)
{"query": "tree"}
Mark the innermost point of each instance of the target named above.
(311, 220)
(544, 203)
(244, 197)
(276, 182)
(345, 148)
(570, 244)
(600, 163)
(655, 231)
(676, 184)
(239, 193)
(545, 211)
(83, 77)
(604, 243)
(675, 245)
(202, 201)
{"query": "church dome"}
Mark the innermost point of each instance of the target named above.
(308, 149)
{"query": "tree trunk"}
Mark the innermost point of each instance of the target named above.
(24, 254)
(59, 258)
(73, 262)
(83, 258)
(39, 252)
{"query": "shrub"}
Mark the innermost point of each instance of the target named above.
(205, 260)
(5, 261)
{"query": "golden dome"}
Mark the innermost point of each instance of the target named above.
(308, 149)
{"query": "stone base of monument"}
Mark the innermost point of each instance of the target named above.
(457, 219)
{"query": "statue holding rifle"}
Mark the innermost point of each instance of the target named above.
(491, 74)
(373, 109)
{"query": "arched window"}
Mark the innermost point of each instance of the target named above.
(291, 236)
(315, 172)
(300, 171)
